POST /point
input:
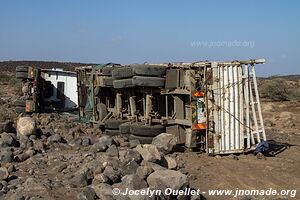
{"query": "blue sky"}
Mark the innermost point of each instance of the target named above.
(152, 31)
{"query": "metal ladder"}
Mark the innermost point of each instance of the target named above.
(255, 130)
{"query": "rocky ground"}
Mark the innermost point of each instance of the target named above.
(61, 158)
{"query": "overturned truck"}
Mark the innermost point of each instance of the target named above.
(211, 106)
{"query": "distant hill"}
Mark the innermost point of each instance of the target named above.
(10, 66)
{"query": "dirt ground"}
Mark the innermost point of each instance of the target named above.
(282, 120)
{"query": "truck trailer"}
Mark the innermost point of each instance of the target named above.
(210, 106)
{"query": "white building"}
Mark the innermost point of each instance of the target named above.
(63, 88)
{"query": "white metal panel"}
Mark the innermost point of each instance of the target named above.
(230, 122)
(70, 90)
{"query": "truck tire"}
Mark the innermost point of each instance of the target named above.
(114, 123)
(123, 83)
(143, 140)
(20, 103)
(122, 72)
(125, 128)
(149, 70)
(147, 81)
(107, 71)
(139, 129)
(21, 75)
(20, 109)
(22, 69)
(112, 132)
(102, 110)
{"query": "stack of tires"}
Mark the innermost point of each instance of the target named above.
(112, 126)
(22, 72)
(139, 75)
(106, 78)
(20, 106)
(145, 133)
(135, 131)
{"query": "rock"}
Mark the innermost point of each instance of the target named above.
(98, 147)
(113, 175)
(154, 166)
(99, 169)
(82, 178)
(7, 140)
(106, 140)
(121, 141)
(6, 155)
(26, 126)
(39, 146)
(129, 167)
(134, 182)
(112, 151)
(167, 178)
(103, 191)
(75, 142)
(100, 178)
(149, 152)
(24, 141)
(11, 168)
(132, 154)
(7, 126)
(56, 138)
(86, 141)
(33, 184)
(16, 196)
(168, 162)
(144, 171)
(3, 173)
(88, 193)
(165, 142)
(61, 167)
(133, 143)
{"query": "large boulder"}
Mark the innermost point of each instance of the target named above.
(26, 126)
(149, 152)
(165, 142)
(3, 173)
(168, 179)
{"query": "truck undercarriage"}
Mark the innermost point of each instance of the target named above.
(210, 106)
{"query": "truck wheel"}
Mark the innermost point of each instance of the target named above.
(107, 71)
(22, 69)
(102, 110)
(139, 129)
(146, 81)
(20, 103)
(149, 70)
(114, 123)
(20, 109)
(112, 132)
(143, 140)
(123, 83)
(21, 75)
(122, 72)
(106, 81)
(125, 128)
